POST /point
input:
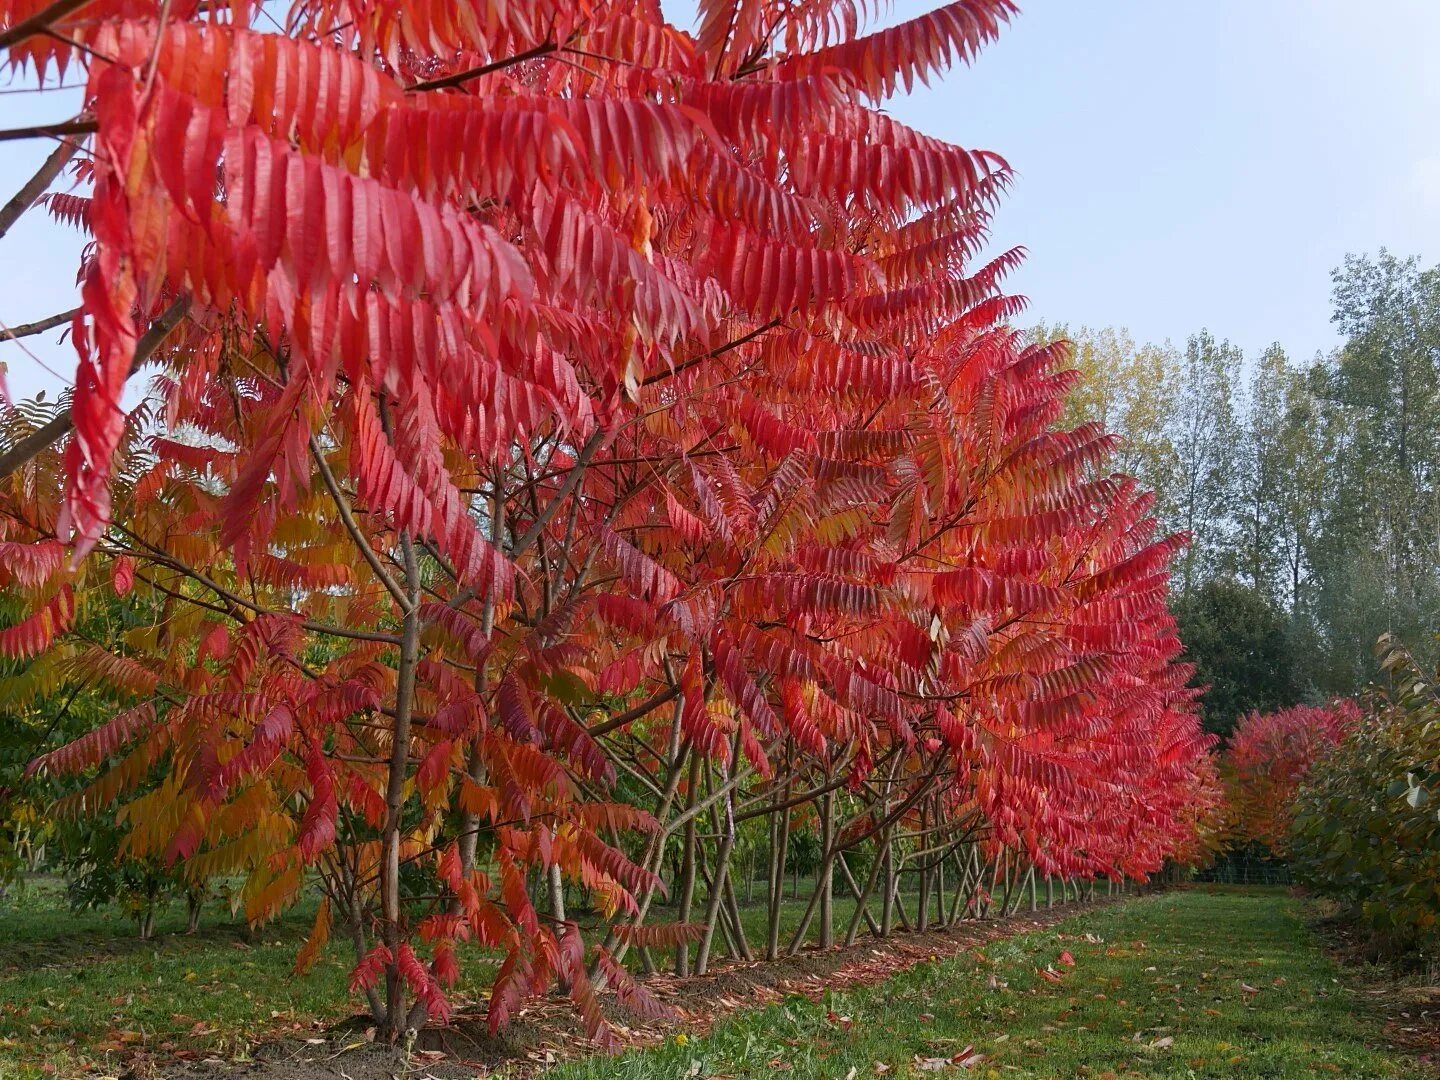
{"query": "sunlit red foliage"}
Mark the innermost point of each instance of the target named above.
(1268, 757)
(563, 396)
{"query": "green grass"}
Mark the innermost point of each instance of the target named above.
(78, 990)
(1157, 993)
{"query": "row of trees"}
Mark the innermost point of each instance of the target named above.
(577, 441)
(1311, 492)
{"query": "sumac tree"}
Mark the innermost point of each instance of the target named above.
(574, 437)
(1268, 758)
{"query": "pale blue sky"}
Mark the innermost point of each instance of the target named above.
(1182, 163)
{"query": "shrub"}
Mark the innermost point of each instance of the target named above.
(1366, 830)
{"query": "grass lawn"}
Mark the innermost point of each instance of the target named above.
(79, 991)
(1201, 983)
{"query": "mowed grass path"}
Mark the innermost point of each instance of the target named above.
(1195, 983)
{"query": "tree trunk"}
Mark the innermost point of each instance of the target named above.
(887, 909)
(779, 841)
(687, 869)
(722, 868)
(922, 913)
(862, 898)
(733, 903)
(475, 767)
(655, 851)
(827, 869)
(940, 893)
(392, 931)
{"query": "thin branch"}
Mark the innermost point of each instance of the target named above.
(576, 472)
(36, 185)
(10, 333)
(743, 339)
(461, 77)
(39, 22)
(50, 433)
(78, 126)
(619, 720)
(348, 518)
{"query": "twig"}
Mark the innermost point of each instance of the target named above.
(10, 333)
(461, 77)
(39, 22)
(36, 185)
(78, 126)
(64, 422)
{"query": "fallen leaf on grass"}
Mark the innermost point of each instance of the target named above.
(965, 1059)
(968, 1058)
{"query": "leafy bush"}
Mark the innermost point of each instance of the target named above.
(1367, 821)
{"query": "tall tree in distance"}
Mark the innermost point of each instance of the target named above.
(1205, 433)
(1378, 555)
(1242, 647)
(1133, 391)
(1304, 475)
(1260, 474)
(1310, 493)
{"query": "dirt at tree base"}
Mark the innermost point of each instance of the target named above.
(547, 1032)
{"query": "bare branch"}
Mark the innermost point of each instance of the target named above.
(582, 460)
(79, 126)
(36, 185)
(10, 333)
(348, 518)
(461, 77)
(48, 434)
